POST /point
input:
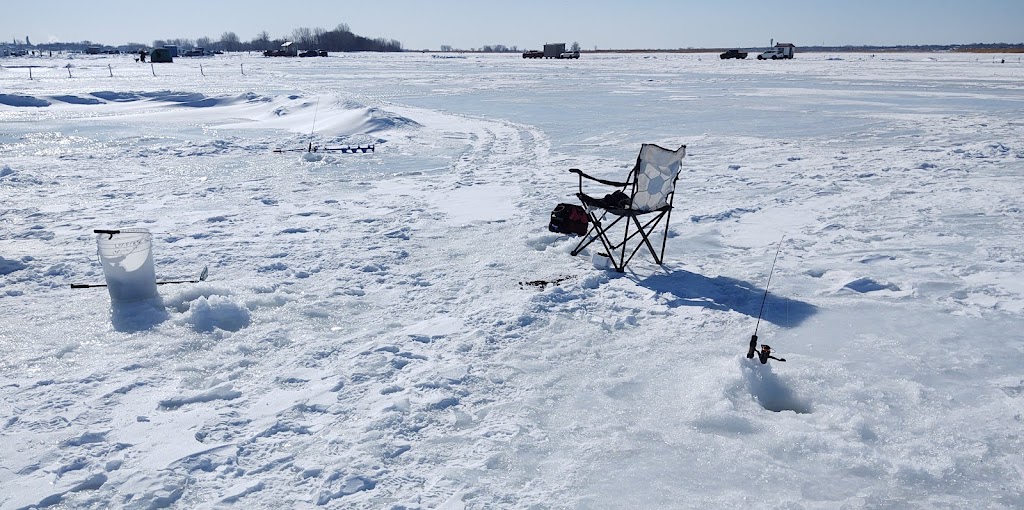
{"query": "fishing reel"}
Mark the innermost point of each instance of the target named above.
(764, 354)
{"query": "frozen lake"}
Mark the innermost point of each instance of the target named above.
(364, 339)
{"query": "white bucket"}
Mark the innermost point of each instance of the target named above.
(127, 259)
(600, 261)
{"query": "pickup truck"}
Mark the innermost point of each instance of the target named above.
(733, 54)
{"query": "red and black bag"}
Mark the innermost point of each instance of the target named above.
(569, 219)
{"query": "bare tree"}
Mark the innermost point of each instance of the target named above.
(303, 37)
(229, 41)
(181, 43)
(262, 40)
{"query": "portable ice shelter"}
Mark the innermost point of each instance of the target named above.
(161, 55)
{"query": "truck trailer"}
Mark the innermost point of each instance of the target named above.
(554, 50)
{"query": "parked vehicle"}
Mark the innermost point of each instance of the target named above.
(781, 50)
(733, 54)
(556, 50)
(287, 50)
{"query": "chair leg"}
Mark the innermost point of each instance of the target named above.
(643, 231)
(617, 253)
(647, 241)
(626, 236)
(587, 239)
(597, 230)
(664, 237)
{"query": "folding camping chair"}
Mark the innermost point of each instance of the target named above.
(649, 190)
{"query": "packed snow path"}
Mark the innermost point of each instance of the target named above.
(364, 340)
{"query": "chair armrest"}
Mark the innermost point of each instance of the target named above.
(602, 181)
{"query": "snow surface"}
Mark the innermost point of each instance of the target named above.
(364, 340)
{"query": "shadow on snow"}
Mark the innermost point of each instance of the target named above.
(138, 316)
(724, 293)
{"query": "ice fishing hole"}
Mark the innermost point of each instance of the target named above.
(769, 391)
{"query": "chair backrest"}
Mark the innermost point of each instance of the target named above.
(655, 175)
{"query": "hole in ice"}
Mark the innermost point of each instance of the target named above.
(770, 391)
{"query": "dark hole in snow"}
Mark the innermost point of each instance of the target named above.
(769, 391)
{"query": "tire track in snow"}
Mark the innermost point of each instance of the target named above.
(419, 380)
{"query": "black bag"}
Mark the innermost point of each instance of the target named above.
(616, 200)
(569, 219)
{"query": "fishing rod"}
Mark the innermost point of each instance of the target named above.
(765, 352)
(348, 149)
(316, 110)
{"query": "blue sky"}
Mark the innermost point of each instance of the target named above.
(638, 24)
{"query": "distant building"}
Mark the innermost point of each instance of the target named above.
(92, 50)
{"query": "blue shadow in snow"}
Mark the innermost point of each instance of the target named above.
(724, 293)
(137, 316)
(773, 394)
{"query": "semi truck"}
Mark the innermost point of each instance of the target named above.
(552, 50)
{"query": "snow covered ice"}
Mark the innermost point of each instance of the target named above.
(363, 340)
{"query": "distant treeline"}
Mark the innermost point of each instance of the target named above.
(339, 39)
(342, 39)
(496, 48)
(979, 47)
(967, 48)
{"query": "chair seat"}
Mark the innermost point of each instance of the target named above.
(617, 203)
(617, 200)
